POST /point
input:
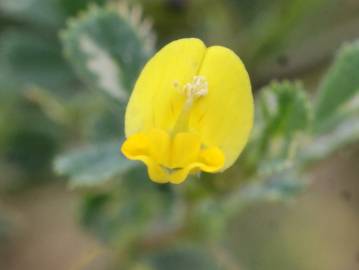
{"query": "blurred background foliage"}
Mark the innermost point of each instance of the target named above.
(67, 69)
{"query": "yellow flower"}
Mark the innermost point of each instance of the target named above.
(191, 110)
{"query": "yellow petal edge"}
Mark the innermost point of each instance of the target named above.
(191, 110)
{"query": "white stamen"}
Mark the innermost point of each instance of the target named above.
(197, 88)
(192, 90)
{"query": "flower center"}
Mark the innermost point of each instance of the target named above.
(171, 156)
(193, 90)
(197, 88)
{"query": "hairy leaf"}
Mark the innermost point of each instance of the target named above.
(323, 146)
(339, 85)
(283, 114)
(284, 108)
(108, 47)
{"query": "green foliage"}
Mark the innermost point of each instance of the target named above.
(39, 12)
(132, 207)
(93, 165)
(94, 45)
(339, 86)
(336, 108)
(285, 136)
(284, 109)
(107, 46)
(23, 133)
(37, 86)
(31, 57)
(271, 32)
(29, 60)
(283, 115)
(281, 185)
(184, 258)
(324, 145)
(44, 14)
(24, 143)
(30, 51)
(139, 217)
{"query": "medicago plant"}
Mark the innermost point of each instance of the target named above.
(108, 47)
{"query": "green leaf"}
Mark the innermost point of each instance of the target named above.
(45, 13)
(339, 85)
(283, 115)
(272, 30)
(107, 47)
(323, 146)
(281, 185)
(28, 59)
(126, 213)
(74, 7)
(93, 165)
(284, 108)
(346, 111)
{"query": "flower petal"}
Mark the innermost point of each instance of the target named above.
(210, 160)
(140, 147)
(156, 100)
(224, 117)
(185, 149)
